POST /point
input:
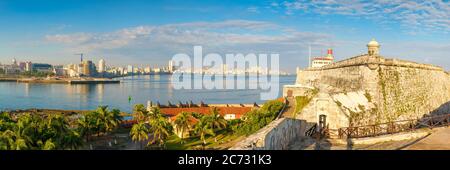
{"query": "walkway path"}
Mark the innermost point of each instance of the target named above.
(290, 108)
(438, 140)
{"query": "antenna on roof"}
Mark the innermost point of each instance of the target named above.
(81, 56)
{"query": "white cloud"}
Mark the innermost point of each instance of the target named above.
(253, 9)
(415, 15)
(69, 38)
(162, 42)
(231, 32)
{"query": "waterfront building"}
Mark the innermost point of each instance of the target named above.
(58, 70)
(21, 66)
(14, 62)
(42, 67)
(147, 70)
(28, 66)
(101, 66)
(323, 61)
(171, 67)
(89, 68)
(130, 69)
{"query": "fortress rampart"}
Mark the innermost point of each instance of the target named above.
(394, 89)
(375, 61)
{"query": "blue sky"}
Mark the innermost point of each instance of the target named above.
(144, 32)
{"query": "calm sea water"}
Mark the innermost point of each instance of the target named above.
(141, 89)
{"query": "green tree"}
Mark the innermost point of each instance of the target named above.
(108, 119)
(140, 113)
(72, 140)
(217, 120)
(154, 113)
(48, 145)
(85, 126)
(182, 123)
(15, 140)
(139, 133)
(203, 127)
(161, 129)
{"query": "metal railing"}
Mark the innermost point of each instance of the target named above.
(282, 109)
(394, 127)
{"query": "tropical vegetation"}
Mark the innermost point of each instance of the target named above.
(27, 131)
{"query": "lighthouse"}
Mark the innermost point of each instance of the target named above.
(323, 60)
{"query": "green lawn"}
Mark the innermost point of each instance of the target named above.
(225, 139)
(301, 102)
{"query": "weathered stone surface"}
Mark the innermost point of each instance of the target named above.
(275, 136)
(371, 89)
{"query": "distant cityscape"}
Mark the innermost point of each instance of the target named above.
(87, 68)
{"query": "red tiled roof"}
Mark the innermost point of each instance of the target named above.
(321, 58)
(238, 111)
(192, 120)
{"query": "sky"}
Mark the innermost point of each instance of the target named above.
(144, 32)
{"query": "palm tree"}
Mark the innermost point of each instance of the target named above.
(113, 119)
(84, 126)
(140, 113)
(203, 127)
(101, 114)
(72, 141)
(217, 120)
(15, 140)
(154, 113)
(139, 132)
(49, 145)
(109, 119)
(58, 125)
(161, 129)
(182, 123)
(3, 143)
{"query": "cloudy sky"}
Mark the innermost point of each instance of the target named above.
(143, 32)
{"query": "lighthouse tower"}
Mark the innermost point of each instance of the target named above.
(330, 54)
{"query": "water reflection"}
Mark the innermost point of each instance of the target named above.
(141, 88)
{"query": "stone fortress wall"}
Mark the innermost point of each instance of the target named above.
(394, 89)
(362, 90)
(275, 136)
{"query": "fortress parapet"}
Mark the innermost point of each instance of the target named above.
(373, 62)
(370, 89)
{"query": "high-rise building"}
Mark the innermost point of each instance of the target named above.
(147, 70)
(171, 68)
(88, 68)
(28, 66)
(101, 66)
(130, 69)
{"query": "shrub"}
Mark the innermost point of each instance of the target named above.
(257, 119)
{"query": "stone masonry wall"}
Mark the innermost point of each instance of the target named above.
(396, 89)
(275, 136)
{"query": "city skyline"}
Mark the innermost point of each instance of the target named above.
(52, 32)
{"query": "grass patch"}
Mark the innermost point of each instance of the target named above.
(224, 140)
(301, 102)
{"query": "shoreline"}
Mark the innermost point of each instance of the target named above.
(53, 111)
(62, 80)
